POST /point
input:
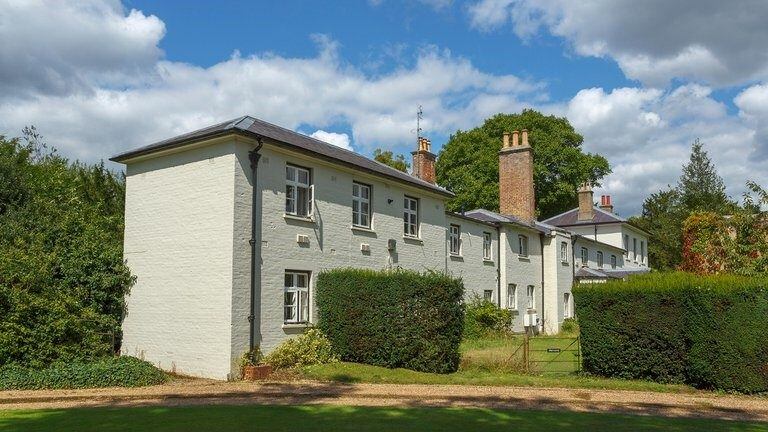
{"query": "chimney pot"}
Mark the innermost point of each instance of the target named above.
(525, 137)
(515, 140)
(505, 140)
(606, 204)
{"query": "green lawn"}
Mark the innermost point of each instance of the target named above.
(342, 418)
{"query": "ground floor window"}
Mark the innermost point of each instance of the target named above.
(567, 305)
(488, 295)
(512, 296)
(531, 294)
(296, 297)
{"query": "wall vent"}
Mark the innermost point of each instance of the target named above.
(302, 239)
(365, 247)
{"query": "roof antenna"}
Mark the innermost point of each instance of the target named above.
(419, 117)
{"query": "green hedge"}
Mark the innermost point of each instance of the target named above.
(710, 332)
(483, 318)
(392, 318)
(106, 372)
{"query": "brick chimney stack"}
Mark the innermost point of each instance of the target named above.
(516, 193)
(586, 203)
(424, 161)
(606, 204)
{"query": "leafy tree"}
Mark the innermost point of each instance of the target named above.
(468, 163)
(386, 157)
(62, 275)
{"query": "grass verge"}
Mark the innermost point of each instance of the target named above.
(343, 418)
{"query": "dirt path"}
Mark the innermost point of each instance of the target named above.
(199, 391)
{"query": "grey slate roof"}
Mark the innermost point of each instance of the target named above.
(489, 216)
(590, 273)
(571, 218)
(253, 127)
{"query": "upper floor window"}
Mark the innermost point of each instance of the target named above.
(361, 205)
(531, 297)
(296, 297)
(522, 242)
(634, 249)
(599, 259)
(584, 257)
(410, 217)
(626, 244)
(613, 261)
(512, 296)
(564, 251)
(298, 191)
(487, 244)
(454, 239)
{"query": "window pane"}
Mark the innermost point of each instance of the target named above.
(364, 208)
(355, 189)
(301, 280)
(405, 203)
(302, 201)
(288, 280)
(413, 205)
(303, 177)
(304, 302)
(289, 313)
(290, 173)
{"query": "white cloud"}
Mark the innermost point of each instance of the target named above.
(654, 41)
(753, 108)
(55, 47)
(337, 139)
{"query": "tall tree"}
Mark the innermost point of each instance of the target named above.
(468, 163)
(386, 157)
(700, 187)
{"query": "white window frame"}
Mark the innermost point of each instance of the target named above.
(584, 257)
(410, 228)
(634, 249)
(359, 200)
(293, 184)
(566, 305)
(487, 246)
(512, 296)
(301, 300)
(530, 294)
(599, 259)
(487, 297)
(614, 261)
(564, 252)
(642, 251)
(454, 239)
(626, 245)
(522, 245)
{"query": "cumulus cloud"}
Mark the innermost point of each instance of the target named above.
(337, 139)
(60, 48)
(753, 108)
(653, 41)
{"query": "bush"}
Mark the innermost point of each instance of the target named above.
(483, 318)
(105, 372)
(307, 349)
(392, 318)
(570, 326)
(708, 331)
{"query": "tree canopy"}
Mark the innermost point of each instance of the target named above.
(62, 276)
(386, 157)
(468, 164)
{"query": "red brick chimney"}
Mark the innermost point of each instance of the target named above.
(606, 204)
(586, 203)
(516, 194)
(424, 161)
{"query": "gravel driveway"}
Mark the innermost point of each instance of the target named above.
(200, 391)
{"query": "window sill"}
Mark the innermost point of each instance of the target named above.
(456, 257)
(488, 261)
(413, 239)
(295, 325)
(564, 262)
(525, 258)
(306, 219)
(362, 229)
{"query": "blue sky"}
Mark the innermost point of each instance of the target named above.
(640, 81)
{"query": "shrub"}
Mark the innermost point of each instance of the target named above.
(707, 331)
(105, 372)
(392, 318)
(483, 318)
(570, 326)
(307, 349)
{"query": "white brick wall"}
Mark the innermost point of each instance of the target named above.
(178, 242)
(520, 270)
(478, 274)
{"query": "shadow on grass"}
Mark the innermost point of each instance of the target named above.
(342, 418)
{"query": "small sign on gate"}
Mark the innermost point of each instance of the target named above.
(553, 350)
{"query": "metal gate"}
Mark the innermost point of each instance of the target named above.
(548, 354)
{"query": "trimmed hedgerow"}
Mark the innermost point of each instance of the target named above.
(392, 318)
(707, 331)
(106, 372)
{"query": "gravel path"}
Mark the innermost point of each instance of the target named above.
(207, 392)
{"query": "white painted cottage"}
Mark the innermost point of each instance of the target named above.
(227, 227)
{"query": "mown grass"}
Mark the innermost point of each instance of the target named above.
(343, 418)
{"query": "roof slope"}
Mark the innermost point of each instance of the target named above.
(490, 216)
(571, 218)
(254, 127)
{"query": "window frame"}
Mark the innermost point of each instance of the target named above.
(566, 305)
(360, 200)
(634, 249)
(296, 185)
(486, 297)
(614, 261)
(522, 240)
(564, 252)
(407, 212)
(487, 246)
(599, 259)
(626, 245)
(454, 239)
(530, 297)
(512, 299)
(642, 251)
(302, 307)
(584, 257)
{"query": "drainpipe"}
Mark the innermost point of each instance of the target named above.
(255, 242)
(541, 248)
(498, 263)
